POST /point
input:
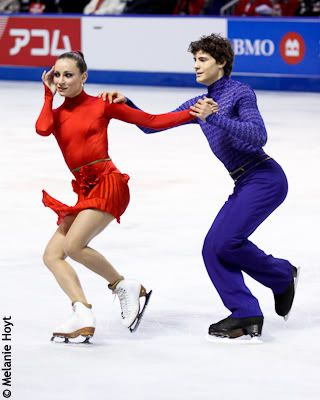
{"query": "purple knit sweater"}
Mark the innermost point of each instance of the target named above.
(236, 133)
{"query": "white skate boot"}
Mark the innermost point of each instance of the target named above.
(81, 323)
(129, 293)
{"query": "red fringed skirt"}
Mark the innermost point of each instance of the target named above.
(100, 186)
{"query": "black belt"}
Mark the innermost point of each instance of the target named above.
(237, 173)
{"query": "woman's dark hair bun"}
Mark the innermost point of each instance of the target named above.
(80, 53)
(76, 56)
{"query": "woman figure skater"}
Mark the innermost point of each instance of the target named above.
(80, 128)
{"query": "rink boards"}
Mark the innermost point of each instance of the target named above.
(275, 53)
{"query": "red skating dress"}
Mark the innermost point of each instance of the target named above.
(80, 128)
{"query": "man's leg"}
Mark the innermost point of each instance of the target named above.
(227, 249)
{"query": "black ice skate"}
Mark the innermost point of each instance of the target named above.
(232, 328)
(283, 301)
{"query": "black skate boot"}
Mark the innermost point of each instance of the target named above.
(232, 328)
(283, 301)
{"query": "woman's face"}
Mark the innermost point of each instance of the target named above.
(67, 77)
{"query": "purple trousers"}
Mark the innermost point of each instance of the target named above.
(227, 251)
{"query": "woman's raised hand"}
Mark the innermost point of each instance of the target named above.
(47, 79)
(203, 108)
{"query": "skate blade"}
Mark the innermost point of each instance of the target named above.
(286, 317)
(77, 340)
(137, 321)
(82, 335)
(246, 339)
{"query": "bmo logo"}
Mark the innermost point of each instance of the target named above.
(49, 42)
(257, 47)
(292, 48)
(38, 41)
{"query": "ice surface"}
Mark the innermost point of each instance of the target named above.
(177, 187)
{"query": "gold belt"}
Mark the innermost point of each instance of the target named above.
(91, 163)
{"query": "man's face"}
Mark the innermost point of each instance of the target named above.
(207, 69)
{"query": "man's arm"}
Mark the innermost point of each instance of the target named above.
(249, 126)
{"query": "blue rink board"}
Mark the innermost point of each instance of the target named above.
(299, 83)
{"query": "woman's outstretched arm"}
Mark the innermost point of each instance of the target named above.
(139, 117)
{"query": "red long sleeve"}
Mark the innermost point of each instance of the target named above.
(45, 122)
(139, 117)
(80, 125)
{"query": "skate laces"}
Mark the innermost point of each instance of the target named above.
(124, 301)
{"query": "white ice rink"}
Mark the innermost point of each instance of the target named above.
(177, 187)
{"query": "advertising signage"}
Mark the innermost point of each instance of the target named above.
(37, 41)
(269, 47)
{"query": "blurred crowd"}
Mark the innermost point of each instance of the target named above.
(281, 8)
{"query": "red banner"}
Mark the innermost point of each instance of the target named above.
(37, 41)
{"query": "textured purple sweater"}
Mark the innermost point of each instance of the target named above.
(236, 133)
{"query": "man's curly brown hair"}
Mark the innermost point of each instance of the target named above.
(218, 47)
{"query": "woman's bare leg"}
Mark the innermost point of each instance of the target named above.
(84, 228)
(54, 258)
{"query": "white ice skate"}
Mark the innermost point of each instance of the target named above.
(129, 293)
(81, 323)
